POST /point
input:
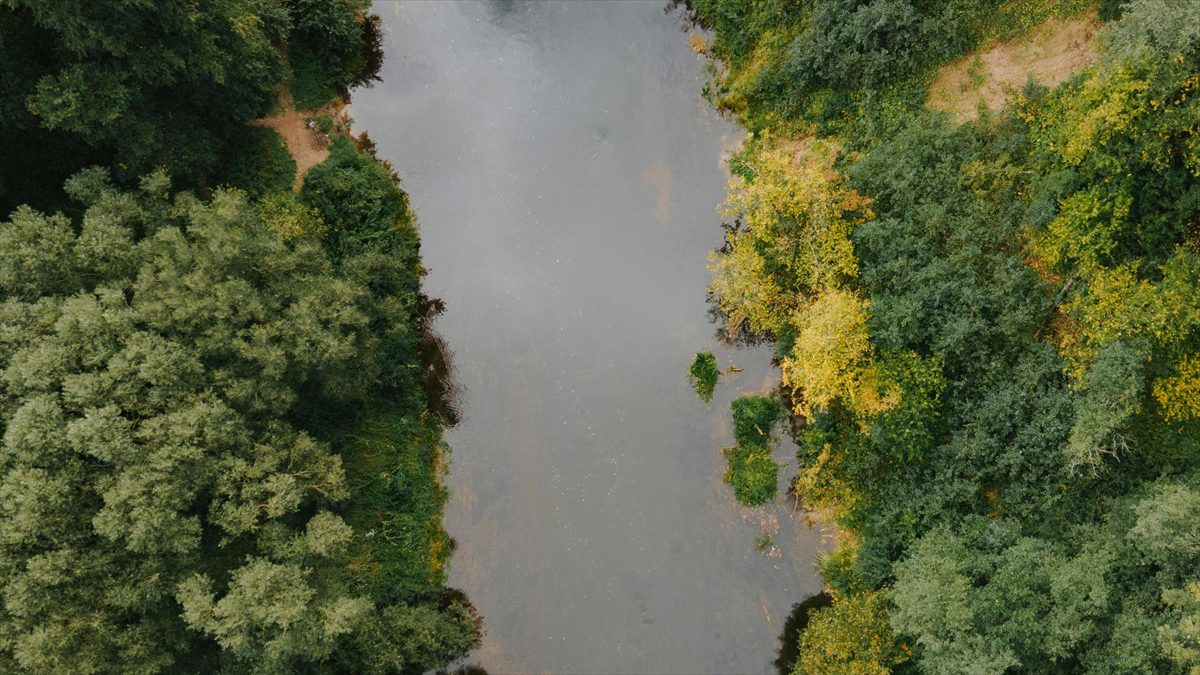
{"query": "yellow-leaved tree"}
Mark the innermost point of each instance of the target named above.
(792, 239)
(832, 358)
(787, 268)
(852, 636)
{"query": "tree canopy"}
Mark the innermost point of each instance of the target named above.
(987, 331)
(169, 85)
(177, 489)
(216, 453)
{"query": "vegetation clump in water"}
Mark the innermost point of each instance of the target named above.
(703, 374)
(752, 470)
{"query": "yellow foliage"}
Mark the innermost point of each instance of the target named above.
(1085, 229)
(824, 485)
(831, 358)
(851, 637)
(874, 395)
(744, 289)
(796, 222)
(1179, 395)
(1119, 305)
(769, 50)
(288, 218)
(804, 212)
(1103, 107)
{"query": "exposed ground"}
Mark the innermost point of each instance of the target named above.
(306, 144)
(1049, 53)
(797, 147)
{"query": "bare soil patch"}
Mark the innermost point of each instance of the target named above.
(1049, 54)
(797, 147)
(307, 145)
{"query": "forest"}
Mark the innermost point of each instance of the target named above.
(986, 324)
(217, 451)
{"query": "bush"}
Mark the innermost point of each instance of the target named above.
(391, 457)
(333, 46)
(704, 374)
(850, 636)
(259, 162)
(752, 473)
(753, 417)
(313, 84)
(359, 197)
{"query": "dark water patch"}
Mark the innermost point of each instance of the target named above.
(442, 389)
(797, 621)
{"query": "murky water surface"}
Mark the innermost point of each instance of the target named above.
(565, 172)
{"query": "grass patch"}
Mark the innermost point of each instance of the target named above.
(752, 471)
(753, 417)
(393, 462)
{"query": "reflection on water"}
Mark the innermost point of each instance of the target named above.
(442, 388)
(566, 172)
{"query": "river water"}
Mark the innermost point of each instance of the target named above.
(565, 171)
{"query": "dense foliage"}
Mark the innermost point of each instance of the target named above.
(178, 474)
(333, 46)
(843, 63)
(987, 333)
(216, 454)
(138, 86)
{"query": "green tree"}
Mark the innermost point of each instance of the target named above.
(171, 377)
(138, 87)
(333, 46)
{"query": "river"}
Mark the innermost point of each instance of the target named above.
(566, 172)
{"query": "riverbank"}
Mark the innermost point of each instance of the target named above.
(961, 308)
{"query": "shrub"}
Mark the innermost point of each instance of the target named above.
(752, 473)
(704, 374)
(313, 85)
(333, 46)
(360, 199)
(259, 162)
(753, 417)
(850, 636)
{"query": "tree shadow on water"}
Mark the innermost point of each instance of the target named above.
(797, 621)
(443, 392)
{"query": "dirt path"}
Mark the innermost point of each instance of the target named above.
(308, 146)
(1048, 53)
